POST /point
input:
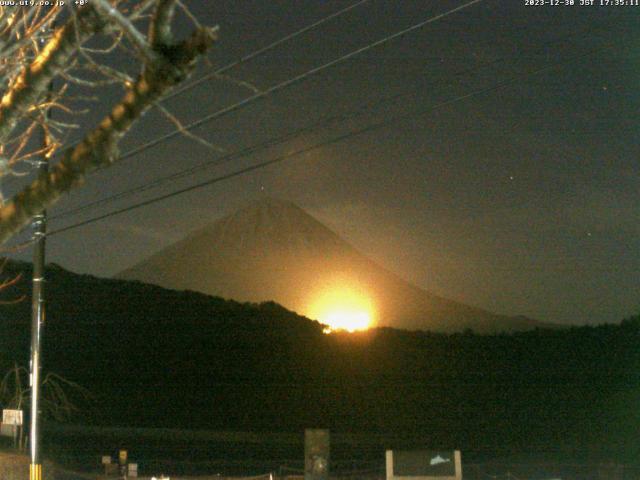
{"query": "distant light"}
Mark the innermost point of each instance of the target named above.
(342, 308)
(349, 320)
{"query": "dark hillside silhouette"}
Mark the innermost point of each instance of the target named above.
(157, 357)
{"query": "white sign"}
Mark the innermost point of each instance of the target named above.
(133, 469)
(106, 459)
(424, 465)
(12, 417)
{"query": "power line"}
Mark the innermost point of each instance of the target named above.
(291, 81)
(280, 86)
(286, 83)
(245, 152)
(295, 79)
(257, 53)
(334, 140)
(252, 149)
(286, 137)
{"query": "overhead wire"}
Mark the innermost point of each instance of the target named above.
(281, 85)
(285, 84)
(256, 53)
(260, 51)
(271, 90)
(291, 81)
(360, 131)
(321, 123)
(247, 151)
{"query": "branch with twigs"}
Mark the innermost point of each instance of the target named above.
(62, 398)
(62, 53)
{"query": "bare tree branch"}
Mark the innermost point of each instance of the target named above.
(99, 147)
(61, 398)
(111, 14)
(178, 124)
(38, 56)
(160, 34)
(32, 83)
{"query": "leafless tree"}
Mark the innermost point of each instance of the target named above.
(72, 45)
(61, 399)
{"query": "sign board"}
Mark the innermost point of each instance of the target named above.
(316, 454)
(133, 470)
(424, 465)
(12, 417)
(106, 459)
(122, 457)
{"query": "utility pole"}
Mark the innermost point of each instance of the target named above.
(38, 304)
(37, 323)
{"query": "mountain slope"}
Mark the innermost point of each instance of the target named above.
(154, 357)
(273, 250)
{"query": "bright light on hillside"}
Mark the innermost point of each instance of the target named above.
(342, 308)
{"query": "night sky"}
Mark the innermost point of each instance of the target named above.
(505, 176)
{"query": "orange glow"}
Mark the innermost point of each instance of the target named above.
(342, 308)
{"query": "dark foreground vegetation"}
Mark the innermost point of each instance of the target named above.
(159, 358)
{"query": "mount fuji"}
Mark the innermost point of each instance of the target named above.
(272, 250)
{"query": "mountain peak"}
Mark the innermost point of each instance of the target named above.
(271, 249)
(269, 202)
(270, 210)
(267, 225)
